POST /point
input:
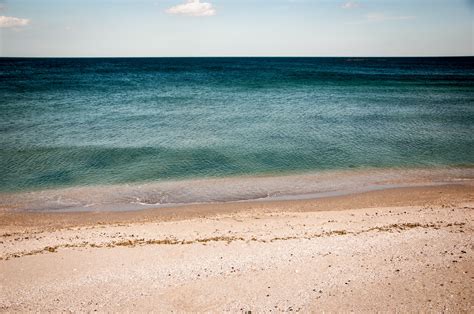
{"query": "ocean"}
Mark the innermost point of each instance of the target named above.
(75, 122)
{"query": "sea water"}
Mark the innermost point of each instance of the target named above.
(111, 121)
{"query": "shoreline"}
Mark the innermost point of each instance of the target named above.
(386, 197)
(176, 194)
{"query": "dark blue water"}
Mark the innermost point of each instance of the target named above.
(67, 122)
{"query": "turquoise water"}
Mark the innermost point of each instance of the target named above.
(73, 122)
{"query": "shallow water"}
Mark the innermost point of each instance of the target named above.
(80, 122)
(233, 189)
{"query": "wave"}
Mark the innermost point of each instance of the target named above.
(232, 189)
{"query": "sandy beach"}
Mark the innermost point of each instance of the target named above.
(405, 249)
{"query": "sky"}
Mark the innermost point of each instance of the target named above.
(179, 28)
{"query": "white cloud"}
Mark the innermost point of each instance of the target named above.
(10, 21)
(193, 8)
(380, 17)
(350, 5)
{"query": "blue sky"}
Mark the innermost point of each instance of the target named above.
(236, 27)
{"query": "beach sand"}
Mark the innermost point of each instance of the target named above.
(404, 249)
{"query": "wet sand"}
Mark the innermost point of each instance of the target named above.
(405, 249)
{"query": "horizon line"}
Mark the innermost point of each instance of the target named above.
(235, 56)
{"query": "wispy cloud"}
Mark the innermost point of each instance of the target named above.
(350, 4)
(380, 17)
(12, 22)
(377, 17)
(193, 8)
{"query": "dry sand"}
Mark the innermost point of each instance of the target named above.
(407, 249)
